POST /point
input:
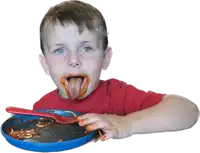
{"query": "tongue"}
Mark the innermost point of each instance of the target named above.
(74, 87)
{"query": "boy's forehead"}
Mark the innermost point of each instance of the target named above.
(68, 34)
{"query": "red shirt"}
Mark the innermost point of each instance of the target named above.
(111, 96)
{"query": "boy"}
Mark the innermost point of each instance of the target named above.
(75, 49)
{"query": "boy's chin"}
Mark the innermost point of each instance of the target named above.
(64, 95)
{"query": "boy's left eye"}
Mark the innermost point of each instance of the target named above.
(86, 49)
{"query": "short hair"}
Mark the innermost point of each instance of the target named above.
(82, 14)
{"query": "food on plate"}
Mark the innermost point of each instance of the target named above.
(28, 133)
(44, 130)
(42, 124)
(60, 140)
(23, 134)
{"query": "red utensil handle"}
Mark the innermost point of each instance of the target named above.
(15, 110)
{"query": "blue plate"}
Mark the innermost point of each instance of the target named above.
(45, 147)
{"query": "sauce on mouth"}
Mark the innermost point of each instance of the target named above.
(75, 85)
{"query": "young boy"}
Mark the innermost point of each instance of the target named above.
(75, 49)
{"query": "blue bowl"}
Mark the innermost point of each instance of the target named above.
(45, 147)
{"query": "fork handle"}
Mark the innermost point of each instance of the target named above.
(16, 110)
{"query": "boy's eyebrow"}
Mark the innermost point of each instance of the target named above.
(59, 44)
(84, 42)
(81, 43)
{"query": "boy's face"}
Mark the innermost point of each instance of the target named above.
(73, 60)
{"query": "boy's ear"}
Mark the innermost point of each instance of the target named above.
(43, 64)
(107, 58)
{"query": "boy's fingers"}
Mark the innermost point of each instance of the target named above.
(85, 116)
(111, 133)
(90, 120)
(106, 136)
(99, 125)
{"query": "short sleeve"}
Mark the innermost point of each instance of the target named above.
(126, 98)
(136, 99)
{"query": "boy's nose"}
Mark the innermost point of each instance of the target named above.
(74, 61)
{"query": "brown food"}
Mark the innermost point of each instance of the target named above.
(41, 124)
(28, 134)
(61, 140)
(23, 134)
(31, 121)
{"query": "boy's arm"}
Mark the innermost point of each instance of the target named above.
(173, 113)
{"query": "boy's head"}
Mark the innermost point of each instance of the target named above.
(74, 43)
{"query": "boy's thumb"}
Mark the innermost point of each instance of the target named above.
(106, 136)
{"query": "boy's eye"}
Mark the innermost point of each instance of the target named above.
(59, 51)
(86, 49)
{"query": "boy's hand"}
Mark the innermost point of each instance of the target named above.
(113, 126)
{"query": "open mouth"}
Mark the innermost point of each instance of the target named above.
(79, 79)
(71, 77)
(75, 85)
